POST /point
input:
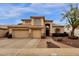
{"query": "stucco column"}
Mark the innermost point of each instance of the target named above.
(51, 29)
(32, 22)
(10, 31)
(43, 25)
(30, 33)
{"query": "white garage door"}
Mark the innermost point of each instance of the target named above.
(36, 34)
(21, 34)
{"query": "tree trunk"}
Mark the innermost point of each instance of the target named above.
(72, 33)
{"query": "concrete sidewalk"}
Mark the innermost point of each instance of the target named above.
(40, 52)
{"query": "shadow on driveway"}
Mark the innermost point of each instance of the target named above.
(51, 45)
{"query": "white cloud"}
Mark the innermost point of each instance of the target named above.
(8, 13)
(37, 8)
(14, 11)
(43, 7)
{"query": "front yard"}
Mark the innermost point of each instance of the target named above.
(71, 42)
(35, 47)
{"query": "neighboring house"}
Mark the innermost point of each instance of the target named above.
(76, 32)
(35, 27)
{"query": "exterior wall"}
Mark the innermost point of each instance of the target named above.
(42, 24)
(61, 29)
(51, 29)
(34, 31)
(42, 21)
(32, 22)
(19, 32)
(27, 23)
(3, 32)
(25, 32)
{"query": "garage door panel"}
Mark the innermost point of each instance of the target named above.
(36, 33)
(21, 34)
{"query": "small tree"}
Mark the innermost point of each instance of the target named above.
(72, 16)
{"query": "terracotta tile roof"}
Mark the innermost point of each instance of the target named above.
(26, 19)
(37, 16)
(49, 20)
(17, 26)
(56, 25)
(3, 27)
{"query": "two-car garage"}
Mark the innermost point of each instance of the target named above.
(25, 32)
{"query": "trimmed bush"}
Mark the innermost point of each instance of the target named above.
(60, 34)
(65, 34)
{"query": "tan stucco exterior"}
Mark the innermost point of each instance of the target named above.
(30, 28)
(59, 27)
(36, 33)
(20, 33)
(3, 30)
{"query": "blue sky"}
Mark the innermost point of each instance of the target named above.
(12, 13)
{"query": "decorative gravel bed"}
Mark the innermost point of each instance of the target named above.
(71, 42)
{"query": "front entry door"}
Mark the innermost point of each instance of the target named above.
(47, 29)
(47, 32)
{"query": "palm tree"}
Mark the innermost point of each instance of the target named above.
(72, 16)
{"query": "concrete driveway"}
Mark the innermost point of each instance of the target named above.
(22, 43)
(32, 47)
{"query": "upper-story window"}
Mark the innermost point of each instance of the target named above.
(37, 22)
